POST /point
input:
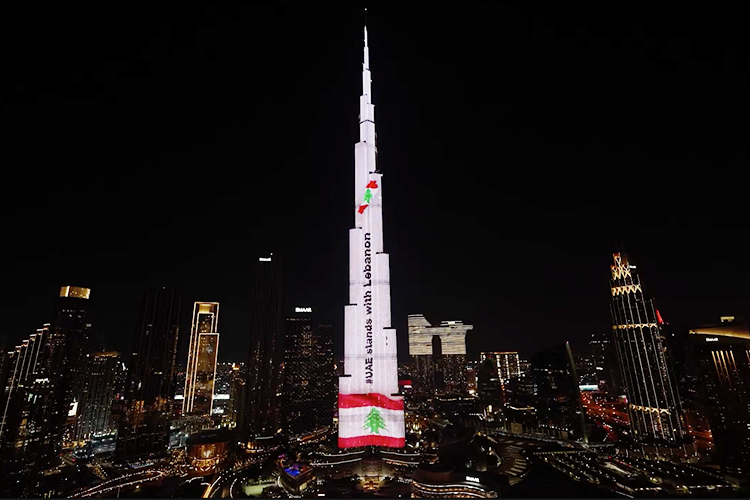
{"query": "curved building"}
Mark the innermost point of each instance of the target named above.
(207, 450)
(445, 481)
(721, 354)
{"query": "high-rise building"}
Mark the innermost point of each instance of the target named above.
(605, 361)
(439, 354)
(29, 406)
(653, 405)
(201, 361)
(308, 373)
(508, 364)
(263, 380)
(553, 374)
(150, 381)
(24, 365)
(205, 373)
(471, 376)
(237, 395)
(95, 406)
(371, 409)
(71, 341)
(721, 355)
(488, 379)
(45, 384)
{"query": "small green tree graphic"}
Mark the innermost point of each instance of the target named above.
(374, 422)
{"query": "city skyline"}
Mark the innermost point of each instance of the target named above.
(544, 242)
(199, 155)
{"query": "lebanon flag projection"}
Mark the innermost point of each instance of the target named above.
(367, 417)
(371, 409)
(369, 189)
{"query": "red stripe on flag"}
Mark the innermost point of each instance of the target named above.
(361, 208)
(372, 399)
(373, 440)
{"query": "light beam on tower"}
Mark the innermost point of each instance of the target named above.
(371, 412)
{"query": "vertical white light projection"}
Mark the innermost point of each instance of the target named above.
(371, 412)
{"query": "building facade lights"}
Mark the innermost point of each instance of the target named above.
(370, 407)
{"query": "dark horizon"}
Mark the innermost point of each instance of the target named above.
(520, 146)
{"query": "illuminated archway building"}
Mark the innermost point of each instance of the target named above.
(653, 404)
(371, 410)
(439, 356)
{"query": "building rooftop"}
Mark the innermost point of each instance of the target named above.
(210, 436)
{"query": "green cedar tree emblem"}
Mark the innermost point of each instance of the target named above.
(374, 422)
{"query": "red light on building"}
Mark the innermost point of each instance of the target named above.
(658, 318)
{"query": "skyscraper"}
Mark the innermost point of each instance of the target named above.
(29, 407)
(553, 374)
(150, 382)
(605, 361)
(70, 343)
(205, 373)
(308, 373)
(24, 365)
(508, 364)
(264, 366)
(721, 355)
(46, 380)
(100, 377)
(237, 395)
(653, 405)
(488, 380)
(439, 354)
(371, 409)
(201, 362)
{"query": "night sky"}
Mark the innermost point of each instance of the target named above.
(175, 144)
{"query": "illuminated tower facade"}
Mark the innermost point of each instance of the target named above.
(508, 364)
(653, 404)
(371, 409)
(24, 365)
(202, 355)
(439, 354)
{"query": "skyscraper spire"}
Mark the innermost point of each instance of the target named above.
(366, 108)
(371, 411)
(367, 51)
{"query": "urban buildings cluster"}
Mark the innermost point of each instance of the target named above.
(649, 409)
(64, 398)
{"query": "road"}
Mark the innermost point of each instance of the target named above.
(126, 481)
(229, 483)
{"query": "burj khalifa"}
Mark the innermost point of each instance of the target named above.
(371, 411)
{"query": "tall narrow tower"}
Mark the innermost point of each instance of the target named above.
(149, 390)
(201, 364)
(264, 366)
(371, 411)
(653, 405)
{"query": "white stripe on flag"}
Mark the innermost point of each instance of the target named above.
(352, 422)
